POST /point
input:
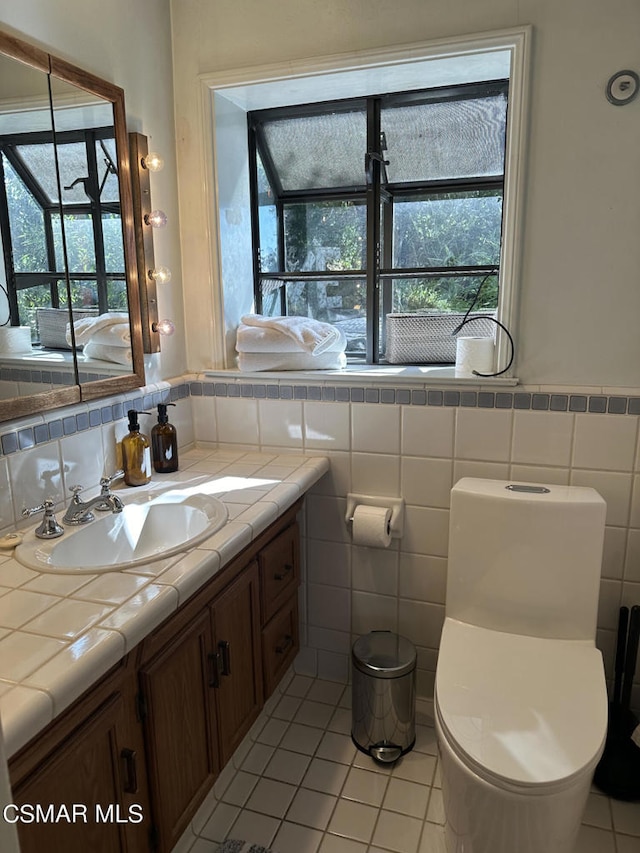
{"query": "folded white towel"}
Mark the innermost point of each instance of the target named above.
(312, 336)
(88, 326)
(119, 354)
(251, 361)
(118, 335)
(259, 339)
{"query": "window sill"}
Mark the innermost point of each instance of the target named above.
(371, 374)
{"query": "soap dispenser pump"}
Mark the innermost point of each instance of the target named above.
(164, 442)
(136, 454)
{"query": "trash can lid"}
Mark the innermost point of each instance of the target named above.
(383, 654)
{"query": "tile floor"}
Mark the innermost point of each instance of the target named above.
(299, 785)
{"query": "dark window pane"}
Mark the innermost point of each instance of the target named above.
(113, 242)
(74, 172)
(450, 139)
(84, 294)
(443, 293)
(326, 235)
(29, 300)
(106, 158)
(26, 221)
(117, 295)
(40, 160)
(342, 303)
(271, 293)
(318, 151)
(267, 222)
(80, 243)
(449, 229)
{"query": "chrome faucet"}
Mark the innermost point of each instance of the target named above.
(79, 512)
(48, 527)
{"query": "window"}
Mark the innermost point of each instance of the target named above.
(59, 211)
(393, 203)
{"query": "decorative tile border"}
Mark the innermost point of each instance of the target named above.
(48, 376)
(61, 425)
(57, 426)
(521, 400)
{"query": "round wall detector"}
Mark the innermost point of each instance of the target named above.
(623, 87)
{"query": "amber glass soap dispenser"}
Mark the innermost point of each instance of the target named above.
(164, 442)
(136, 454)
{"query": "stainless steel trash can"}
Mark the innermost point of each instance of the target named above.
(383, 695)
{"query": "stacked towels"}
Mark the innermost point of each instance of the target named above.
(289, 343)
(107, 337)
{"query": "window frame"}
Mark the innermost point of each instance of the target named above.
(217, 172)
(379, 271)
(53, 277)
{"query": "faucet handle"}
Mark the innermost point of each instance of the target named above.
(75, 490)
(49, 527)
(105, 482)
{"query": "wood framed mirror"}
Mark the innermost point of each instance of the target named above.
(67, 236)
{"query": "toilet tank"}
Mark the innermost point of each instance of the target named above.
(525, 558)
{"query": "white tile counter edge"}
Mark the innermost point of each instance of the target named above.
(61, 665)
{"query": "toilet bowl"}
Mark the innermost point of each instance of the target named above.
(520, 696)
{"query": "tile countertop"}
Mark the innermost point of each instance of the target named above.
(60, 632)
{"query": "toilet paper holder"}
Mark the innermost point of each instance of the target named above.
(396, 505)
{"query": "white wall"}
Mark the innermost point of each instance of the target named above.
(579, 294)
(129, 44)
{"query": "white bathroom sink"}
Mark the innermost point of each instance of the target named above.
(143, 532)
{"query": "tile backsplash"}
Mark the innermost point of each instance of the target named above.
(414, 442)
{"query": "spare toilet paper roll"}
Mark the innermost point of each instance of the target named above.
(474, 354)
(15, 339)
(372, 526)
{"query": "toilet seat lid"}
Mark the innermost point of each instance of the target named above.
(530, 711)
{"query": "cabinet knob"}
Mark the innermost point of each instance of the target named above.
(285, 644)
(287, 569)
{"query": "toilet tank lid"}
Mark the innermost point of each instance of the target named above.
(522, 491)
(529, 710)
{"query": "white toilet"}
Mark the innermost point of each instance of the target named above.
(520, 695)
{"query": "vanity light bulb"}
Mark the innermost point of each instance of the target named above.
(161, 275)
(157, 219)
(164, 327)
(153, 162)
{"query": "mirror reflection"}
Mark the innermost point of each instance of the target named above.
(66, 287)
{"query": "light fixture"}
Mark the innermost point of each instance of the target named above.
(164, 327)
(145, 220)
(156, 219)
(161, 275)
(152, 161)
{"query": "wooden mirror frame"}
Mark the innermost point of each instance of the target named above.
(17, 407)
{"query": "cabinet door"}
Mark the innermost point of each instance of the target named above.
(279, 571)
(280, 644)
(236, 627)
(93, 768)
(179, 728)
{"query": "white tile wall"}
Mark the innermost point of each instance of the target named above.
(416, 451)
(419, 452)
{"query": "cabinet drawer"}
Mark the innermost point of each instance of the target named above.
(280, 644)
(279, 571)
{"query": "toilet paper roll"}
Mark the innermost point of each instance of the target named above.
(372, 526)
(474, 354)
(15, 339)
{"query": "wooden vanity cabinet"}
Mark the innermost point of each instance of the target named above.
(177, 708)
(90, 758)
(279, 563)
(237, 665)
(158, 729)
